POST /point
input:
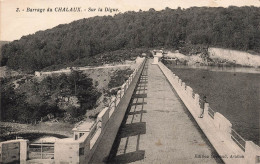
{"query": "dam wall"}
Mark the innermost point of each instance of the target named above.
(230, 146)
(99, 140)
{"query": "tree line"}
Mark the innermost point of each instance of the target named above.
(34, 100)
(232, 27)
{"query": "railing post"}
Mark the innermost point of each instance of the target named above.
(189, 93)
(114, 103)
(183, 86)
(112, 106)
(127, 84)
(118, 97)
(177, 79)
(206, 110)
(197, 98)
(252, 152)
(122, 90)
(180, 82)
(23, 151)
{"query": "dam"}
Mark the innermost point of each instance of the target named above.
(158, 127)
(154, 118)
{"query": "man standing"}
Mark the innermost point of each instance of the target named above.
(203, 106)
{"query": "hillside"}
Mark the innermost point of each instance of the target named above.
(237, 57)
(2, 43)
(234, 27)
(217, 57)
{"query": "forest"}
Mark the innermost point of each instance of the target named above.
(40, 100)
(233, 27)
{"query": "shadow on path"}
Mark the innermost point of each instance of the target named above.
(132, 126)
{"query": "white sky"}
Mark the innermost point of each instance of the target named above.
(13, 25)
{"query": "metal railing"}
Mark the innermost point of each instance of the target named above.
(240, 141)
(41, 151)
(211, 112)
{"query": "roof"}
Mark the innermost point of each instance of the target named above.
(84, 126)
(161, 51)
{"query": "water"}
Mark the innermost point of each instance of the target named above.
(233, 92)
(223, 69)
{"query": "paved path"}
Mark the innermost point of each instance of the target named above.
(158, 127)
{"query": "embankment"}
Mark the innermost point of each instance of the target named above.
(237, 57)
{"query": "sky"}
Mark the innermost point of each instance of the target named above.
(14, 25)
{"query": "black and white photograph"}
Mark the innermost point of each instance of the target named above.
(117, 81)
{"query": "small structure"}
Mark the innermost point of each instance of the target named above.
(158, 54)
(81, 129)
(37, 73)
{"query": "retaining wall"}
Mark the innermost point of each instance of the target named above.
(14, 151)
(230, 146)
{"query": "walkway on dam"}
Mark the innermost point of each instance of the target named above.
(158, 128)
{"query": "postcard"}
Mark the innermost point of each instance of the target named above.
(116, 81)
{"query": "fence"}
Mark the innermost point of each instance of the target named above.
(41, 151)
(211, 112)
(240, 141)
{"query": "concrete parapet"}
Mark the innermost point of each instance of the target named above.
(103, 117)
(183, 86)
(196, 100)
(112, 106)
(66, 150)
(131, 76)
(222, 124)
(177, 79)
(127, 83)
(206, 110)
(189, 91)
(123, 90)
(252, 153)
(118, 97)
(106, 138)
(180, 82)
(94, 139)
(23, 150)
